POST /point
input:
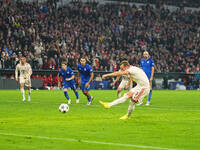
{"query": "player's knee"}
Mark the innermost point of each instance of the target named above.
(132, 101)
(85, 92)
(65, 90)
(119, 90)
(129, 94)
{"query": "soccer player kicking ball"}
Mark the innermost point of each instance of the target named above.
(68, 81)
(86, 74)
(136, 94)
(147, 65)
(24, 79)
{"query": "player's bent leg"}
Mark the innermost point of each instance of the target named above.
(131, 108)
(67, 96)
(22, 91)
(119, 90)
(120, 100)
(90, 98)
(77, 95)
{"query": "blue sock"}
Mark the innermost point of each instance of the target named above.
(89, 99)
(77, 96)
(66, 95)
(150, 94)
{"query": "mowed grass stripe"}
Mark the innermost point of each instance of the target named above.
(87, 141)
(181, 108)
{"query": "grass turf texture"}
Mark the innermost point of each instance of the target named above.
(171, 122)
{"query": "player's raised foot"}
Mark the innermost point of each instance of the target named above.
(147, 104)
(125, 117)
(29, 98)
(139, 104)
(69, 101)
(77, 101)
(104, 104)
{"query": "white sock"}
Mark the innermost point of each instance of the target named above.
(119, 95)
(119, 100)
(131, 108)
(29, 92)
(22, 91)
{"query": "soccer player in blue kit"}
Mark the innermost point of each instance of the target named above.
(68, 81)
(85, 73)
(147, 65)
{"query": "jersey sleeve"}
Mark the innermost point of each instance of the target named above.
(152, 63)
(30, 69)
(71, 72)
(90, 69)
(131, 70)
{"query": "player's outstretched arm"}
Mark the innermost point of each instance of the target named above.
(30, 72)
(117, 79)
(68, 79)
(114, 74)
(91, 78)
(152, 73)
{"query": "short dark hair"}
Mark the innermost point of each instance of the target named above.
(64, 62)
(83, 58)
(125, 63)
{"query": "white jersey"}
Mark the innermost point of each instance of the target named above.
(125, 77)
(25, 70)
(139, 76)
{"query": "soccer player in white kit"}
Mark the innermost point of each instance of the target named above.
(126, 83)
(24, 79)
(138, 93)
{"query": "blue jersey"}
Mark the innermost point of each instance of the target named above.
(85, 72)
(147, 66)
(67, 74)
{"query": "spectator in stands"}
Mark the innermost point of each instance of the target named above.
(85, 29)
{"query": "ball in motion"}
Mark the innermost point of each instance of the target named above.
(63, 108)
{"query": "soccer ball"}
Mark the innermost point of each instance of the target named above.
(63, 108)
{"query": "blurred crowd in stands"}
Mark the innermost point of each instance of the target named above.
(103, 34)
(160, 3)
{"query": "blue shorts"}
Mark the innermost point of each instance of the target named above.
(148, 75)
(83, 88)
(69, 85)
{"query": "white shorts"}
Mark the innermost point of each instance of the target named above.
(123, 84)
(139, 93)
(27, 82)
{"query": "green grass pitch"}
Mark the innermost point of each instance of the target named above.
(171, 122)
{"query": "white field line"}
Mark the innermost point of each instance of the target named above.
(87, 141)
(185, 108)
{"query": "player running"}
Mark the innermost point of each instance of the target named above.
(136, 94)
(147, 65)
(85, 73)
(68, 81)
(126, 83)
(24, 79)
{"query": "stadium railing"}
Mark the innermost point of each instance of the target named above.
(163, 80)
